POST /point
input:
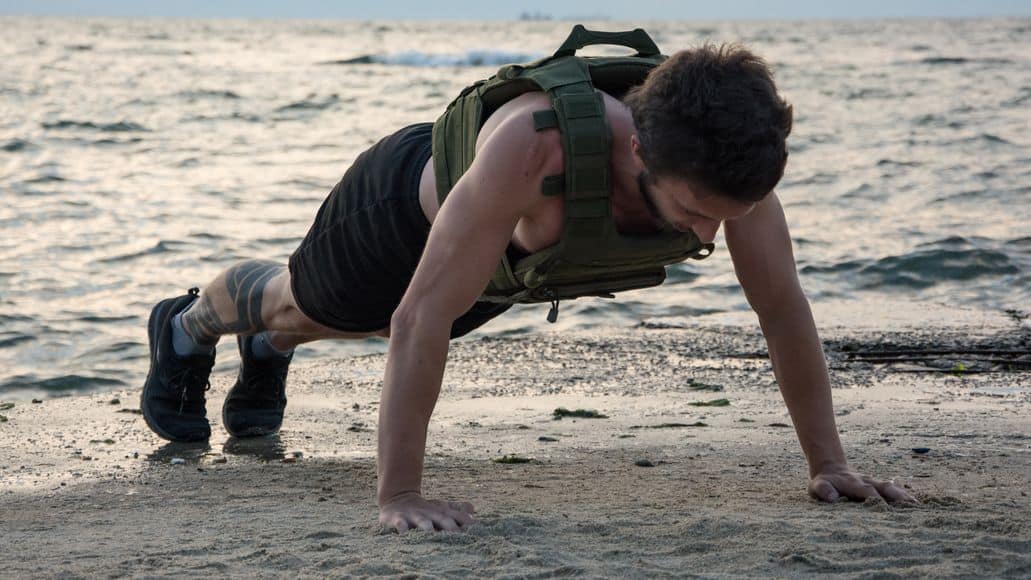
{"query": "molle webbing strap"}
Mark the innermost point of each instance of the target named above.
(545, 120)
(580, 114)
(553, 184)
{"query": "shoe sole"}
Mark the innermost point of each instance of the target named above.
(251, 432)
(154, 334)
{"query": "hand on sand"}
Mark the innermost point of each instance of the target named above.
(412, 512)
(833, 483)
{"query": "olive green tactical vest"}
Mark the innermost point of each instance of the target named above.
(591, 258)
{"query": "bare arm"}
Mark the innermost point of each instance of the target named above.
(765, 265)
(465, 245)
(760, 247)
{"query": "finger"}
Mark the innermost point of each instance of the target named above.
(462, 506)
(892, 492)
(462, 518)
(888, 490)
(423, 523)
(447, 524)
(858, 491)
(822, 490)
(396, 523)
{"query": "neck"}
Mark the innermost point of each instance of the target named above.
(629, 209)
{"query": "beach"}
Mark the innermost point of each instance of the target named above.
(145, 156)
(657, 487)
(637, 437)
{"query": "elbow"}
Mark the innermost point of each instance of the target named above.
(402, 320)
(417, 316)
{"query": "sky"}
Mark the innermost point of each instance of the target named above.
(508, 9)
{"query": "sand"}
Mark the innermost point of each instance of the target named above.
(87, 490)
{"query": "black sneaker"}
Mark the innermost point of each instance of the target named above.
(255, 405)
(173, 396)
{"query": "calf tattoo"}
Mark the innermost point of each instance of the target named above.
(234, 308)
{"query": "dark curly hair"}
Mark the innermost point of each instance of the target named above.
(712, 116)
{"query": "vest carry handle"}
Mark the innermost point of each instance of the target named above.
(636, 39)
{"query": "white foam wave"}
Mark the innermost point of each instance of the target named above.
(470, 58)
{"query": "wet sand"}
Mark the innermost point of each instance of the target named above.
(659, 487)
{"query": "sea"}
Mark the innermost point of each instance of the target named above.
(139, 157)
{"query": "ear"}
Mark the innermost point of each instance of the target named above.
(635, 148)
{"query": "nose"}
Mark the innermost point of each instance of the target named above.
(706, 231)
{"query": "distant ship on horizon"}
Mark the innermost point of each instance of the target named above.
(537, 16)
(534, 16)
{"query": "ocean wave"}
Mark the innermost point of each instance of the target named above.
(52, 178)
(1021, 99)
(873, 93)
(965, 195)
(430, 60)
(817, 178)
(939, 60)
(207, 94)
(280, 241)
(982, 138)
(60, 383)
(208, 236)
(15, 339)
(126, 350)
(681, 274)
(938, 121)
(858, 192)
(895, 162)
(15, 145)
(97, 319)
(1023, 243)
(236, 116)
(5, 318)
(311, 103)
(110, 141)
(119, 126)
(162, 247)
(953, 259)
(304, 183)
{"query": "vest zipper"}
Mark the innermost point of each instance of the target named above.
(553, 313)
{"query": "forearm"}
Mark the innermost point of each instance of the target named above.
(415, 368)
(801, 371)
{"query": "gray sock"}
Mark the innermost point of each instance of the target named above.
(183, 344)
(262, 349)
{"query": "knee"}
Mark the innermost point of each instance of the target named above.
(279, 309)
(291, 319)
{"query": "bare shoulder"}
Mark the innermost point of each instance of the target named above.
(760, 247)
(760, 237)
(509, 147)
(766, 214)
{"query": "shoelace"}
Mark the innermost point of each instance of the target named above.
(184, 380)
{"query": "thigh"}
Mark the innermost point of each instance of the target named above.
(281, 313)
